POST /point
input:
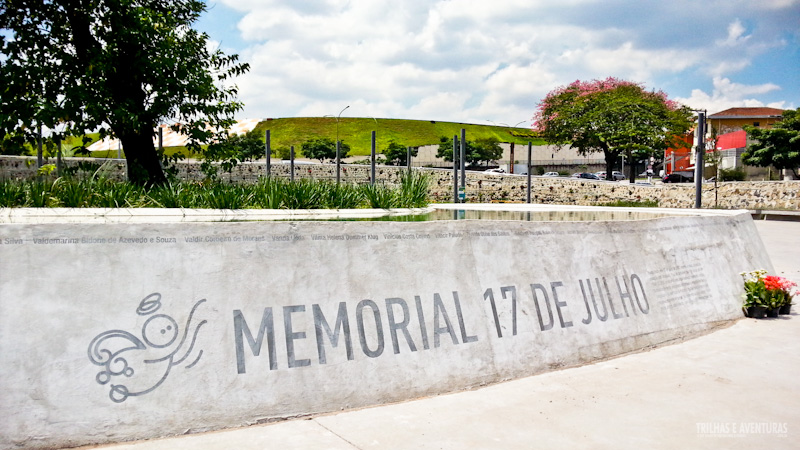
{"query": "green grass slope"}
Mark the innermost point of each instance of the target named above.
(356, 132)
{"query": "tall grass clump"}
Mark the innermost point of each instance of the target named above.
(414, 190)
(218, 195)
(71, 193)
(302, 194)
(12, 194)
(380, 196)
(268, 193)
(175, 195)
(111, 194)
(38, 194)
(341, 196)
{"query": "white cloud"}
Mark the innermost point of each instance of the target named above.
(736, 36)
(777, 4)
(727, 94)
(473, 60)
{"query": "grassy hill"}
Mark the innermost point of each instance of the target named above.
(356, 132)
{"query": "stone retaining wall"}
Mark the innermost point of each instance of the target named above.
(483, 187)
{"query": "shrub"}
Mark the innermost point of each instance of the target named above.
(735, 174)
(283, 153)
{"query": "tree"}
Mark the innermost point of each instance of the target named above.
(613, 116)
(324, 148)
(283, 152)
(485, 149)
(12, 145)
(778, 146)
(120, 67)
(229, 152)
(249, 146)
(477, 151)
(397, 154)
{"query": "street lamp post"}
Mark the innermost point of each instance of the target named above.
(511, 144)
(338, 147)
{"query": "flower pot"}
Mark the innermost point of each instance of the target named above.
(786, 309)
(773, 312)
(757, 312)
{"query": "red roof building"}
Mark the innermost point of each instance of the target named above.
(733, 119)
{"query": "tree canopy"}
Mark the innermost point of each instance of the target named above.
(397, 153)
(324, 148)
(228, 153)
(778, 146)
(477, 151)
(613, 116)
(120, 67)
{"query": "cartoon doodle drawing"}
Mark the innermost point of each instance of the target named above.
(118, 352)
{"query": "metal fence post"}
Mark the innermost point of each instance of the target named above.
(530, 150)
(291, 163)
(455, 169)
(463, 161)
(268, 151)
(372, 160)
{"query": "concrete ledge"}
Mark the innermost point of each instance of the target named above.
(181, 215)
(120, 331)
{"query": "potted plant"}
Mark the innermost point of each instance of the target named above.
(780, 292)
(755, 293)
(766, 294)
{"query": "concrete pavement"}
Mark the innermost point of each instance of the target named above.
(734, 388)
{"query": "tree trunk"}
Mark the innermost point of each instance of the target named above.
(609, 169)
(144, 166)
(611, 160)
(631, 167)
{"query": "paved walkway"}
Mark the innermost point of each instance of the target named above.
(735, 388)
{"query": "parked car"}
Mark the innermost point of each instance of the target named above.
(495, 170)
(677, 178)
(615, 175)
(586, 175)
(550, 174)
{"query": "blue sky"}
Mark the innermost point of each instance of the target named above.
(481, 61)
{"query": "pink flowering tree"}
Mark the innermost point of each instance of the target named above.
(612, 116)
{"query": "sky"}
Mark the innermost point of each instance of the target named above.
(493, 61)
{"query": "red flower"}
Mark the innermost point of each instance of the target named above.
(774, 283)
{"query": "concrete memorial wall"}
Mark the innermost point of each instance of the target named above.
(114, 332)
